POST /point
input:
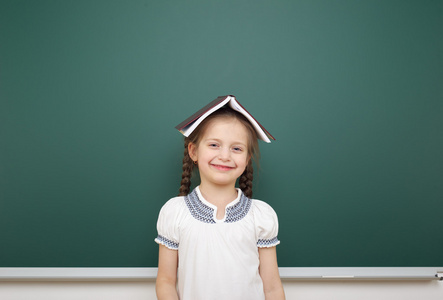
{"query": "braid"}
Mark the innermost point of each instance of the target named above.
(245, 181)
(188, 166)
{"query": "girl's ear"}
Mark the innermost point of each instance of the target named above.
(192, 150)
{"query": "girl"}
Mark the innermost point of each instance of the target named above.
(220, 241)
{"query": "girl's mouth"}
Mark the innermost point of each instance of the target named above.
(222, 168)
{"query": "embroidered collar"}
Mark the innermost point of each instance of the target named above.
(205, 213)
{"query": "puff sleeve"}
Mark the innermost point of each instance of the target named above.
(266, 225)
(167, 224)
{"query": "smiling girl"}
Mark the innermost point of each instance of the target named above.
(215, 242)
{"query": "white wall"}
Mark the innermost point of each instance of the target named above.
(294, 289)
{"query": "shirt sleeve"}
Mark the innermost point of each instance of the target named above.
(266, 224)
(167, 225)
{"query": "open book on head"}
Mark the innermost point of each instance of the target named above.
(187, 126)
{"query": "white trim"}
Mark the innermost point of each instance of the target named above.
(362, 273)
(141, 274)
(77, 274)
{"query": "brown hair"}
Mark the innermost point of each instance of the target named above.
(245, 181)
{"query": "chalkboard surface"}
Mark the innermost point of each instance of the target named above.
(90, 92)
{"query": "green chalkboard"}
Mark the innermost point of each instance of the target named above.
(90, 92)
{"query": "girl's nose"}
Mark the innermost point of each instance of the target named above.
(225, 154)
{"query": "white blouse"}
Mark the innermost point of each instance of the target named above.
(218, 259)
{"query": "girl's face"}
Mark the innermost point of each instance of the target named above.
(222, 153)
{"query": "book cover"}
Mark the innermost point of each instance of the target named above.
(187, 126)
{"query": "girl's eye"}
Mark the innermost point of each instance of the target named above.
(213, 145)
(237, 149)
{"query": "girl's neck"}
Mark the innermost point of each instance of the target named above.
(218, 195)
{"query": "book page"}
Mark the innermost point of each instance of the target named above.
(236, 106)
(189, 129)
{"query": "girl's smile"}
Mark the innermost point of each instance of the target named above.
(222, 168)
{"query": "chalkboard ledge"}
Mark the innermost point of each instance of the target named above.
(286, 273)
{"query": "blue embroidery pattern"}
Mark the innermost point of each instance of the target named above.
(239, 210)
(168, 243)
(205, 214)
(268, 243)
(198, 209)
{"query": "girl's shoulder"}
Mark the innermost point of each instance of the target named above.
(174, 201)
(174, 204)
(266, 222)
(260, 206)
